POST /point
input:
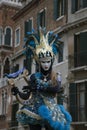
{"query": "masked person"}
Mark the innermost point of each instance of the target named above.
(40, 108)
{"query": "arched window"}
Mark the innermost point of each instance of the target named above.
(0, 36)
(8, 36)
(7, 66)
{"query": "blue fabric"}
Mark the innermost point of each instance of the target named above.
(16, 74)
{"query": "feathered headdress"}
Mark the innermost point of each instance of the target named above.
(42, 45)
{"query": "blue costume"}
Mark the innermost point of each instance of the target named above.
(39, 104)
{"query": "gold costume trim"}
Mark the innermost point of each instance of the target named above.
(29, 113)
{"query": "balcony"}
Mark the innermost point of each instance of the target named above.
(11, 2)
(6, 47)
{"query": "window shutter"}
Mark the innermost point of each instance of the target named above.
(8, 37)
(30, 25)
(55, 9)
(84, 3)
(73, 101)
(65, 4)
(75, 50)
(26, 27)
(86, 99)
(73, 6)
(62, 7)
(83, 48)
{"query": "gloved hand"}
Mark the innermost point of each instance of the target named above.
(26, 89)
(29, 89)
(14, 91)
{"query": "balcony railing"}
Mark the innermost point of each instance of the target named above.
(17, 2)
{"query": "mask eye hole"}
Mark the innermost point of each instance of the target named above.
(48, 61)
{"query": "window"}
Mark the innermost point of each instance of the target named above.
(4, 102)
(7, 66)
(78, 4)
(59, 8)
(15, 68)
(28, 26)
(41, 19)
(78, 102)
(80, 49)
(17, 37)
(8, 36)
(60, 54)
(0, 36)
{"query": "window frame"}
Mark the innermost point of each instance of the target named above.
(10, 45)
(79, 52)
(41, 19)
(59, 9)
(28, 24)
(78, 5)
(75, 98)
(17, 43)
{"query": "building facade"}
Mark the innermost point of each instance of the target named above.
(68, 19)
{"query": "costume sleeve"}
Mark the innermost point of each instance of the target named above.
(49, 89)
(15, 91)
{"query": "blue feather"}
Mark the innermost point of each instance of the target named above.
(46, 114)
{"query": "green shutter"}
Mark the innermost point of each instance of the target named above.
(86, 99)
(62, 6)
(83, 48)
(75, 50)
(84, 3)
(73, 101)
(65, 6)
(73, 5)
